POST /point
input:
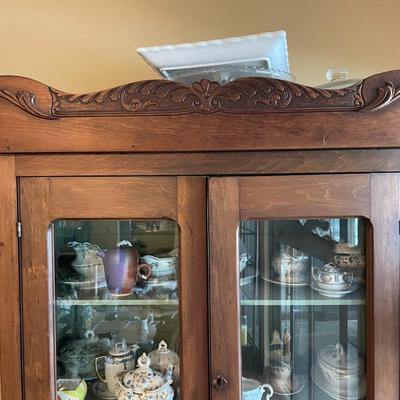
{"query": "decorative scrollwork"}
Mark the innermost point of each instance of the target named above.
(25, 101)
(386, 95)
(245, 95)
(242, 96)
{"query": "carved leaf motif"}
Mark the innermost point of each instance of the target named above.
(386, 95)
(25, 101)
(246, 95)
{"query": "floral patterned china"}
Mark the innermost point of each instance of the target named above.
(145, 383)
(78, 356)
(164, 358)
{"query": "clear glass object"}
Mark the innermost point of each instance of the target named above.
(338, 78)
(303, 297)
(116, 288)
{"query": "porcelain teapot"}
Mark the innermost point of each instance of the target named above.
(290, 265)
(144, 383)
(331, 277)
(121, 357)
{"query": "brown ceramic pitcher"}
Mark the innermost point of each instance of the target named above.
(122, 268)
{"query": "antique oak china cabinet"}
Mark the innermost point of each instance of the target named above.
(244, 236)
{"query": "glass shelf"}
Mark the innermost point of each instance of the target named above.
(135, 302)
(299, 302)
(263, 293)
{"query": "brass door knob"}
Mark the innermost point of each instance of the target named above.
(219, 382)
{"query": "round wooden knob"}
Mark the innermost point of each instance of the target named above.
(219, 382)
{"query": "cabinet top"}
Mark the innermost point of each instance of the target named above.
(161, 115)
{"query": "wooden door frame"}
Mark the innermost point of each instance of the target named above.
(10, 347)
(366, 195)
(44, 200)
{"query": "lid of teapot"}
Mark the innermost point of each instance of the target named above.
(163, 355)
(119, 349)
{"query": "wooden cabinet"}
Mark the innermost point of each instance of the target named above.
(276, 204)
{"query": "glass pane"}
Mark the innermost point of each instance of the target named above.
(303, 327)
(116, 287)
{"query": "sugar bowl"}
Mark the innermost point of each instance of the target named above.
(163, 358)
(144, 383)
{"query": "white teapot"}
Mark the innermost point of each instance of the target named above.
(331, 277)
(144, 383)
(120, 357)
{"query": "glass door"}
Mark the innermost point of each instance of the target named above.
(114, 287)
(293, 282)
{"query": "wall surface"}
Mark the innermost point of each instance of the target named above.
(85, 45)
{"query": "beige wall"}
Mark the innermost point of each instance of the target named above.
(84, 45)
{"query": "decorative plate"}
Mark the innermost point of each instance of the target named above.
(253, 55)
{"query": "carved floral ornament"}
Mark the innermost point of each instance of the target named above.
(163, 97)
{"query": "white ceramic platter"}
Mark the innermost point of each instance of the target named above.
(266, 51)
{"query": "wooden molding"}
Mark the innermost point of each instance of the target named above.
(162, 97)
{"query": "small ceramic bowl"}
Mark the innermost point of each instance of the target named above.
(71, 389)
(161, 266)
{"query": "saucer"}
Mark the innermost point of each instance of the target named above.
(320, 381)
(100, 390)
(297, 384)
(85, 285)
(284, 283)
(332, 293)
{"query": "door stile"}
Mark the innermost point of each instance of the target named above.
(192, 220)
(37, 287)
(224, 288)
(385, 218)
(10, 346)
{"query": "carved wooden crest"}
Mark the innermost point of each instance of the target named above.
(242, 96)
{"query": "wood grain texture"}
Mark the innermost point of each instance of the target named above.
(224, 286)
(46, 199)
(164, 97)
(211, 163)
(10, 361)
(21, 133)
(192, 220)
(25, 105)
(39, 365)
(385, 217)
(113, 197)
(305, 196)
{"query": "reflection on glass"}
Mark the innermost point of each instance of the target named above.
(303, 308)
(116, 286)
